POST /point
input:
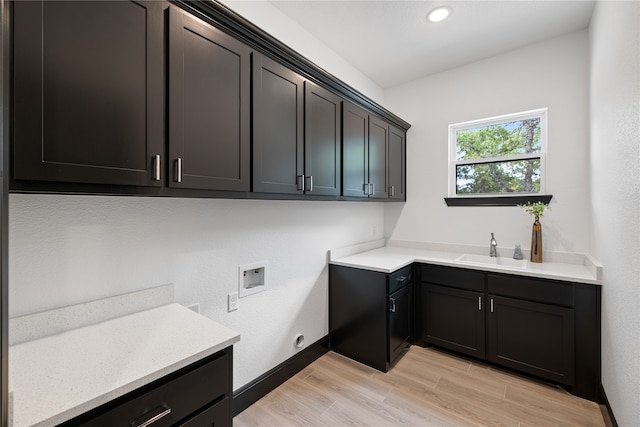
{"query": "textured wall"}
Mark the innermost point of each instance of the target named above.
(551, 74)
(614, 39)
(69, 249)
(270, 19)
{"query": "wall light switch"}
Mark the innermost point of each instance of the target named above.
(232, 301)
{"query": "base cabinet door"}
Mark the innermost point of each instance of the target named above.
(532, 337)
(400, 310)
(453, 319)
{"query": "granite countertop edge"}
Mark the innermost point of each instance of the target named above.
(388, 259)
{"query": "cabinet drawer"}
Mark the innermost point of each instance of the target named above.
(176, 399)
(537, 290)
(453, 277)
(400, 278)
(218, 415)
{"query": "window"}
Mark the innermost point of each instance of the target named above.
(498, 156)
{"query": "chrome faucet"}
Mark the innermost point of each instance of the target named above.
(494, 247)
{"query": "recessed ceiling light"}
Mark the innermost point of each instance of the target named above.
(439, 14)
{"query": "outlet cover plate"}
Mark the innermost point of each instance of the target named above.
(232, 301)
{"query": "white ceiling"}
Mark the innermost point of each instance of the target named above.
(392, 43)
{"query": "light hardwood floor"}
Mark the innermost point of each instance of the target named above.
(426, 388)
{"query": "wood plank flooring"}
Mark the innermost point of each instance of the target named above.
(426, 388)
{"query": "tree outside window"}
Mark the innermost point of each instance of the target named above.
(498, 156)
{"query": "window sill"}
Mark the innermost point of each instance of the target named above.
(497, 200)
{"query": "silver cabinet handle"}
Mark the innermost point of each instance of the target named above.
(310, 179)
(365, 189)
(392, 191)
(393, 305)
(153, 419)
(479, 303)
(373, 189)
(179, 169)
(156, 167)
(300, 179)
(401, 279)
(492, 305)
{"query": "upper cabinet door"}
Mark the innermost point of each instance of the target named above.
(322, 145)
(397, 164)
(355, 150)
(278, 145)
(378, 154)
(209, 106)
(88, 92)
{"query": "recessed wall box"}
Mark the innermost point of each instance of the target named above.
(252, 278)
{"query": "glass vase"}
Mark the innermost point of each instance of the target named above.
(536, 242)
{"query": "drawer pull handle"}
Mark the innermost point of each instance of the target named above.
(152, 420)
(393, 305)
(401, 279)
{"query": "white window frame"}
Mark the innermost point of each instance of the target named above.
(453, 163)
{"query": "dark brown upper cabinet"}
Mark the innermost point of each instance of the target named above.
(209, 107)
(88, 92)
(322, 144)
(378, 158)
(278, 137)
(397, 164)
(355, 150)
(365, 141)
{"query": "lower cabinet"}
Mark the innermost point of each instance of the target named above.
(532, 337)
(370, 314)
(196, 396)
(400, 309)
(454, 319)
(546, 328)
(452, 309)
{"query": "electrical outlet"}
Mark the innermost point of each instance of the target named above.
(232, 301)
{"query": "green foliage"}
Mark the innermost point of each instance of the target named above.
(501, 140)
(535, 209)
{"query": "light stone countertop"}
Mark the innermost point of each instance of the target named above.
(55, 378)
(579, 268)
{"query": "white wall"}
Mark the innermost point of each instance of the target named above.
(266, 16)
(614, 41)
(551, 74)
(70, 249)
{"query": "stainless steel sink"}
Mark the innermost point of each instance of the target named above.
(487, 260)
